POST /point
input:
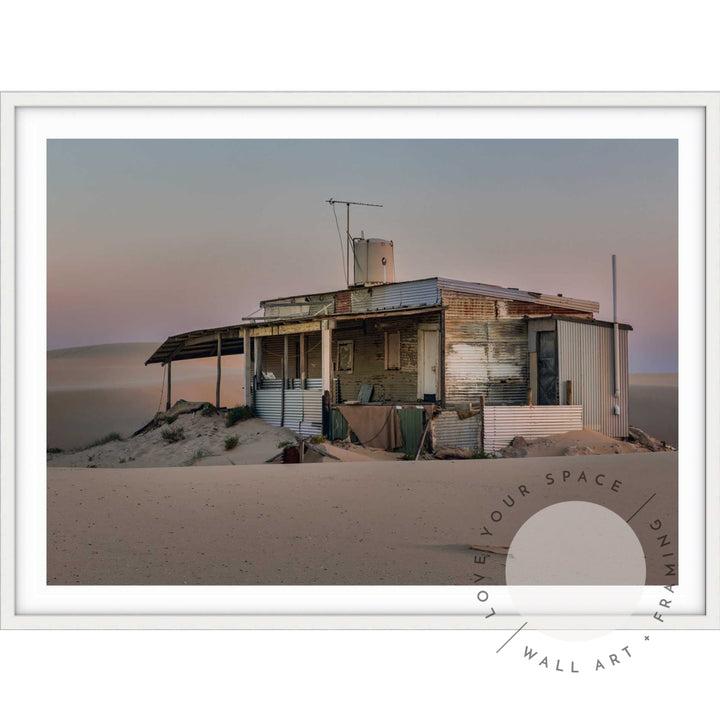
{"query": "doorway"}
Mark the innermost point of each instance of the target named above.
(547, 372)
(428, 364)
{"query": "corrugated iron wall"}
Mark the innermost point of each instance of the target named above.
(486, 347)
(450, 430)
(303, 408)
(484, 355)
(585, 356)
(397, 295)
(502, 424)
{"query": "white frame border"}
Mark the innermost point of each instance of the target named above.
(10, 103)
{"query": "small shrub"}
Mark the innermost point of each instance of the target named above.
(121, 460)
(208, 410)
(480, 455)
(317, 439)
(231, 441)
(171, 419)
(197, 455)
(408, 456)
(173, 436)
(238, 413)
(54, 450)
(285, 443)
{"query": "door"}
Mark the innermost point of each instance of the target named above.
(429, 365)
(547, 375)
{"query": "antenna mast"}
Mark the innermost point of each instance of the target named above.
(348, 238)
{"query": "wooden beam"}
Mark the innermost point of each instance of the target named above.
(169, 392)
(248, 396)
(286, 358)
(291, 328)
(258, 361)
(283, 377)
(303, 367)
(326, 356)
(219, 370)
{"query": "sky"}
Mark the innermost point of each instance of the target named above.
(150, 238)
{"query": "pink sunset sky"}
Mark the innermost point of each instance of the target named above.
(149, 238)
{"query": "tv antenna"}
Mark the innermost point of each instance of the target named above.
(349, 244)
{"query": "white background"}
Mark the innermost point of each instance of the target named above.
(368, 46)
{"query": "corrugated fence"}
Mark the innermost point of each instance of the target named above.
(303, 406)
(503, 423)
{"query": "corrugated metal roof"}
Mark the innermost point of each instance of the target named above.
(378, 298)
(473, 288)
(199, 344)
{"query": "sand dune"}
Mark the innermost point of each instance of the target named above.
(99, 389)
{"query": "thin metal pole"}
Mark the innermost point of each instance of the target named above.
(169, 392)
(616, 329)
(348, 246)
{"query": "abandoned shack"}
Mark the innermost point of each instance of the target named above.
(379, 361)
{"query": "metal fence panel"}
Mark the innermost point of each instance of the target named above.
(503, 423)
(449, 429)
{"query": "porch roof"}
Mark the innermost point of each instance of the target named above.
(203, 343)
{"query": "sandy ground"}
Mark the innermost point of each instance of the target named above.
(654, 405)
(99, 389)
(339, 523)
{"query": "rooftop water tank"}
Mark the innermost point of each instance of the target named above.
(374, 261)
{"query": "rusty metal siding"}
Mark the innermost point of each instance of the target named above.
(342, 302)
(449, 429)
(555, 303)
(484, 355)
(585, 355)
(502, 424)
(397, 295)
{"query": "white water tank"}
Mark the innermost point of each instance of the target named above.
(374, 261)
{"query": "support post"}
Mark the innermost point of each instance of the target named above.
(283, 374)
(248, 394)
(528, 396)
(303, 367)
(286, 358)
(326, 356)
(569, 392)
(168, 405)
(257, 372)
(219, 370)
(482, 423)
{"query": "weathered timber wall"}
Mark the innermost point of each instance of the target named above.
(368, 337)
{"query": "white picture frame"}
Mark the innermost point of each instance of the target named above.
(29, 118)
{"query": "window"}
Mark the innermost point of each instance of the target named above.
(345, 353)
(392, 350)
